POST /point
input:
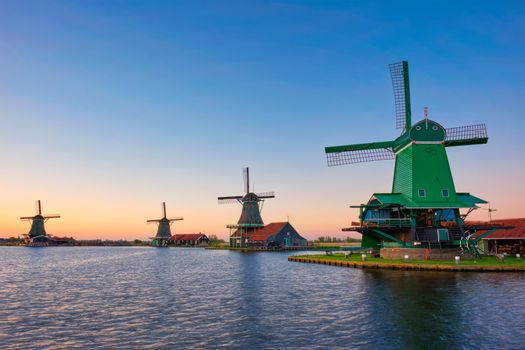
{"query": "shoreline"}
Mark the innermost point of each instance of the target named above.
(393, 265)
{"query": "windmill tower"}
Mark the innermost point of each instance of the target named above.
(37, 235)
(423, 196)
(164, 228)
(250, 218)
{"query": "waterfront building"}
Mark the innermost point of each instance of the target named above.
(192, 239)
(63, 240)
(511, 241)
(423, 210)
(277, 235)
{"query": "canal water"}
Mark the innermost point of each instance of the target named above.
(118, 298)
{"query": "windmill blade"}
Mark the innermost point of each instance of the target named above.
(163, 209)
(466, 135)
(266, 195)
(176, 218)
(246, 178)
(229, 200)
(359, 153)
(26, 218)
(400, 83)
(352, 157)
(229, 197)
(51, 216)
(38, 207)
(155, 220)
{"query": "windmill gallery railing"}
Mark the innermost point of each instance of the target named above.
(386, 222)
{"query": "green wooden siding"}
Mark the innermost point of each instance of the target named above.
(431, 172)
(403, 173)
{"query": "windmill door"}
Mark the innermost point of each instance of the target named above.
(442, 234)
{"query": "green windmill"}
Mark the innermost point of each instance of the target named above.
(37, 235)
(424, 206)
(163, 235)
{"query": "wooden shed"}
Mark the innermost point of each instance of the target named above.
(189, 239)
(511, 241)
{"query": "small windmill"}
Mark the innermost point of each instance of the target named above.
(251, 210)
(489, 210)
(164, 229)
(38, 230)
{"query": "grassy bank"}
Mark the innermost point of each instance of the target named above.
(488, 263)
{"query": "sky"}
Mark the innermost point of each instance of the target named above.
(108, 108)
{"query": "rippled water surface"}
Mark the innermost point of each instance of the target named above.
(151, 298)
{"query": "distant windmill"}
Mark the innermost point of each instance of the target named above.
(37, 233)
(251, 210)
(164, 229)
(489, 210)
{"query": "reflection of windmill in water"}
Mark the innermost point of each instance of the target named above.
(250, 219)
(163, 235)
(37, 236)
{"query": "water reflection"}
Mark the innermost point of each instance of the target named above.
(249, 299)
(193, 298)
(418, 307)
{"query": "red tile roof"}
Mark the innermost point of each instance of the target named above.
(187, 237)
(262, 234)
(517, 232)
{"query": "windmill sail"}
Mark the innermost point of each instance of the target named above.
(246, 175)
(466, 135)
(263, 195)
(229, 199)
(38, 207)
(163, 209)
(359, 153)
(399, 74)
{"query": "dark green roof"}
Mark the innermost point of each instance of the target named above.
(470, 199)
(464, 200)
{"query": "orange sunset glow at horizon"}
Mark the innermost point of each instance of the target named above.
(96, 216)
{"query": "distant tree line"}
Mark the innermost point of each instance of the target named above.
(11, 241)
(328, 239)
(216, 241)
(108, 242)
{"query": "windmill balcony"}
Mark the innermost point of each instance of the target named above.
(386, 222)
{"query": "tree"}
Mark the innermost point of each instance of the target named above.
(214, 240)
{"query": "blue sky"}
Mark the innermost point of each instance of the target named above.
(109, 107)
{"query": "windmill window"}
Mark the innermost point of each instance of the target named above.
(435, 127)
(444, 192)
(418, 128)
(422, 193)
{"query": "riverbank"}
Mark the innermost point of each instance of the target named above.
(488, 263)
(256, 249)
